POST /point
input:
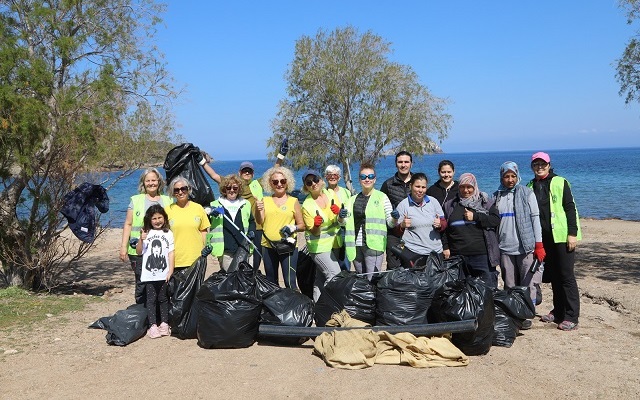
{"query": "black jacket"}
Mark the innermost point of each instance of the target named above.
(79, 209)
(541, 189)
(441, 194)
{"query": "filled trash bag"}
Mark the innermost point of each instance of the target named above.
(516, 301)
(465, 299)
(265, 286)
(347, 291)
(403, 297)
(229, 309)
(441, 271)
(183, 160)
(125, 326)
(287, 307)
(183, 288)
(305, 272)
(505, 329)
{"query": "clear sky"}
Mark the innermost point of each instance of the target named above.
(519, 75)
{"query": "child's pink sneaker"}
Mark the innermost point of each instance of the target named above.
(153, 332)
(164, 329)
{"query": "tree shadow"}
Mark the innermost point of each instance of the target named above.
(96, 275)
(609, 261)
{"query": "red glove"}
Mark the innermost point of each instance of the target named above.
(539, 252)
(317, 220)
(334, 208)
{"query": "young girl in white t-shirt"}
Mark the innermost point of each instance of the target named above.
(156, 247)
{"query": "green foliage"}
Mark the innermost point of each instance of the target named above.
(347, 102)
(628, 66)
(82, 86)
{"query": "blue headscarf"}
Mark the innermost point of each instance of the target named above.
(504, 168)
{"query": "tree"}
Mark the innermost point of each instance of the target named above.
(346, 102)
(81, 86)
(628, 68)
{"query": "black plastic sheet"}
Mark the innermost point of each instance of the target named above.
(347, 291)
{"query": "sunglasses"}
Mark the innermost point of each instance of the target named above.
(275, 182)
(234, 188)
(370, 177)
(247, 171)
(332, 176)
(539, 165)
(311, 181)
(183, 189)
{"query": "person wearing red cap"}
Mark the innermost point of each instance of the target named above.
(560, 233)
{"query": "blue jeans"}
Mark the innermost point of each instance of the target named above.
(289, 263)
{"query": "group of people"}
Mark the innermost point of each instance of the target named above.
(527, 232)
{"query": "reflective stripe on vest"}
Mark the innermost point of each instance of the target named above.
(138, 216)
(329, 228)
(375, 225)
(215, 237)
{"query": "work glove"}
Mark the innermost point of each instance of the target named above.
(284, 148)
(395, 214)
(217, 211)
(288, 230)
(206, 250)
(317, 220)
(539, 252)
(334, 208)
(343, 212)
(251, 235)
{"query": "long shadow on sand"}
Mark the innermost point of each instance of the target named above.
(94, 276)
(609, 261)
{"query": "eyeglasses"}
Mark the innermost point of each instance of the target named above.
(537, 165)
(370, 177)
(247, 171)
(183, 189)
(234, 188)
(311, 181)
(275, 182)
(332, 176)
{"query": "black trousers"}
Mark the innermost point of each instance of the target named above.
(157, 300)
(558, 268)
(392, 260)
(136, 266)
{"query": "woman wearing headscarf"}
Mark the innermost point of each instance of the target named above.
(560, 234)
(150, 191)
(519, 232)
(472, 220)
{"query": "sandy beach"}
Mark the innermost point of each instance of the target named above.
(64, 359)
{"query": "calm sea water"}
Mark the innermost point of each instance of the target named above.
(599, 177)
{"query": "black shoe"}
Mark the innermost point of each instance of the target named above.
(526, 324)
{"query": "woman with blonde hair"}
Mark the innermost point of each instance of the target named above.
(281, 218)
(224, 238)
(150, 191)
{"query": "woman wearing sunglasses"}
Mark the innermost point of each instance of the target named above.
(188, 222)
(332, 175)
(367, 217)
(422, 220)
(281, 217)
(320, 212)
(224, 238)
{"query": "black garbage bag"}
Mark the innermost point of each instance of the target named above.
(305, 272)
(265, 287)
(505, 329)
(183, 309)
(287, 307)
(125, 326)
(441, 271)
(465, 299)
(516, 301)
(229, 309)
(403, 297)
(183, 160)
(347, 291)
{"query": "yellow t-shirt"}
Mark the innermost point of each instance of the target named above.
(276, 217)
(186, 224)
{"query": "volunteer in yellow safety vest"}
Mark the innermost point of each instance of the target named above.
(224, 238)
(150, 187)
(332, 175)
(367, 216)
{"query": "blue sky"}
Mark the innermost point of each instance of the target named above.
(520, 75)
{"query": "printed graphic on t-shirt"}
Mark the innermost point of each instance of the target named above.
(155, 256)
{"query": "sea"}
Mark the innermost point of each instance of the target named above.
(600, 178)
